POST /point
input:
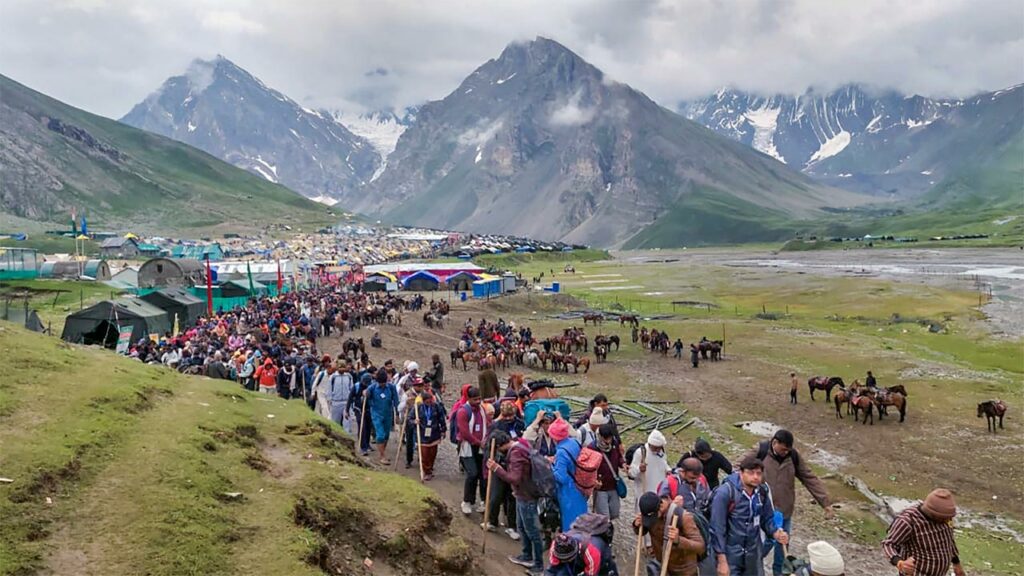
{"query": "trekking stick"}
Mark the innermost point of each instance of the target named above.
(362, 416)
(419, 443)
(668, 550)
(639, 547)
(487, 504)
(401, 435)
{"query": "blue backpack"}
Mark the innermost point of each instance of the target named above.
(453, 426)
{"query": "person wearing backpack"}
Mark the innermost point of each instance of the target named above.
(573, 554)
(571, 502)
(537, 433)
(339, 387)
(355, 407)
(433, 421)
(519, 474)
(472, 426)
(687, 487)
(648, 466)
(782, 467)
(656, 514)
(741, 512)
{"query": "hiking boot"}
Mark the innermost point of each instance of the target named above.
(467, 508)
(480, 507)
(512, 533)
(535, 571)
(408, 465)
(521, 560)
(488, 527)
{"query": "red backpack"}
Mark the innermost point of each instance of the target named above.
(587, 464)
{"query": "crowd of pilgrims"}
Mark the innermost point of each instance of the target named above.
(558, 484)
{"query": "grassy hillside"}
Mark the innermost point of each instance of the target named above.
(56, 157)
(122, 468)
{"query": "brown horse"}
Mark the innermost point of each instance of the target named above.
(862, 402)
(823, 383)
(595, 317)
(842, 396)
(992, 409)
(601, 353)
(585, 362)
(630, 318)
(885, 399)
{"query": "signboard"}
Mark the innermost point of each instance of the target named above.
(124, 338)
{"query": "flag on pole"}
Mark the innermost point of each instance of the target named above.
(176, 328)
(74, 224)
(85, 227)
(209, 289)
(252, 287)
(280, 279)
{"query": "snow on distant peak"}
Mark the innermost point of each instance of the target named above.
(764, 121)
(503, 80)
(380, 130)
(325, 200)
(831, 147)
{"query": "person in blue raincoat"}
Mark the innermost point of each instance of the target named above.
(382, 402)
(741, 512)
(571, 503)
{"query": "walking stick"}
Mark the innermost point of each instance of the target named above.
(487, 504)
(362, 424)
(401, 434)
(668, 550)
(419, 443)
(639, 547)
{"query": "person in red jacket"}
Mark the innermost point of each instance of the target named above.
(266, 375)
(473, 426)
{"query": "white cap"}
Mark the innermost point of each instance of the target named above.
(656, 438)
(412, 366)
(825, 559)
(597, 417)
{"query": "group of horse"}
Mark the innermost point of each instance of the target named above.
(436, 315)
(861, 399)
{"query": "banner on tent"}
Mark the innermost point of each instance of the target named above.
(124, 338)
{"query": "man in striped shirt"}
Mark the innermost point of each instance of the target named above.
(920, 540)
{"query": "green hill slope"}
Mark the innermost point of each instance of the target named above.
(54, 157)
(123, 468)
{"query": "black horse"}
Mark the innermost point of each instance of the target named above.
(992, 409)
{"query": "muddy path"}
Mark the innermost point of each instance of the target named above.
(736, 389)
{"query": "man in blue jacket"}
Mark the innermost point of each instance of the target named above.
(741, 509)
(382, 403)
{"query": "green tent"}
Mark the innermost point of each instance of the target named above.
(98, 323)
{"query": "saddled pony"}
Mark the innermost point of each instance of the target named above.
(601, 353)
(890, 398)
(823, 383)
(842, 396)
(992, 409)
(865, 403)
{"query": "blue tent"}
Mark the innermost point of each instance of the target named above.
(421, 281)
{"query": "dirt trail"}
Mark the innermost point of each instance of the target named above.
(736, 388)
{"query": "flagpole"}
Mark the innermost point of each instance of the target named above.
(209, 288)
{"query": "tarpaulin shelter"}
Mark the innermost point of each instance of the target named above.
(22, 315)
(98, 323)
(71, 270)
(160, 272)
(178, 301)
(421, 281)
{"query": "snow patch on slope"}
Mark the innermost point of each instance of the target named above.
(325, 200)
(764, 121)
(380, 130)
(831, 147)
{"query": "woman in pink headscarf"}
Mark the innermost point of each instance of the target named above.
(571, 503)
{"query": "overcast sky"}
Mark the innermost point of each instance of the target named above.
(107, 55)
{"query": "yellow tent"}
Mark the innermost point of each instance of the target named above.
(131, 235)
(81, 237)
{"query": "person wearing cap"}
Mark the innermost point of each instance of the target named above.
(606, 495)
(355, 407)
(408, 400)
(713, 462)
(571, 502)
(655, 516)
(920, 540)
(741, 513)
(571, 557)
(587, 432)
(822, 560)
(517, 472)
(266, 375)
(600, 401)
(501, 491)
(649, 466)
(473, 427)
(782, 468)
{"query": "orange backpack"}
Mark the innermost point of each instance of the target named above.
(587, 464)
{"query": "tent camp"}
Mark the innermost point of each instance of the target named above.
(177, 301)
(160, 272)
(239, 288)
(98, 323)
(462, 281)
(380, 282)
(421, 281)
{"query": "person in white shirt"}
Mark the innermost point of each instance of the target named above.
(649, 466)
(587, 434)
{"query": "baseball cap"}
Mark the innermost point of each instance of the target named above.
(649, 506)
